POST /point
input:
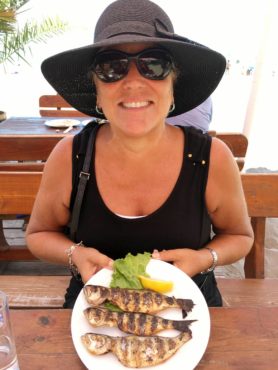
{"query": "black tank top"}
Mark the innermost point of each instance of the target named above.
(182, 221)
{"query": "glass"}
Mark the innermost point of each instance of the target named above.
(113, 65)
(8, 358)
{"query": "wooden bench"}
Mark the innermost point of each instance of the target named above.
(28, 153)
(34, 291)
(18, 191)
(56, 106)
(238, 144)
(35, 148)
(249, 292)
(22, 153)
(261, 193)
(49, 291)
(17, 195)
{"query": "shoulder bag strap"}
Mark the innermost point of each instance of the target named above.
(83, 179)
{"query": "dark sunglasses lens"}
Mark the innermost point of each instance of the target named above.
(110, 66)
(154, 64)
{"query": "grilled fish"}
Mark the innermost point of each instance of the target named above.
(133, 300)
(133, 323)
(133, 351)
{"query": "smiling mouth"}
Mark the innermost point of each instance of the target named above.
(134, 105)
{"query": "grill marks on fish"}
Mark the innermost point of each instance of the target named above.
(136, 351)
(134, 322)
(132, 300)
(142, 348)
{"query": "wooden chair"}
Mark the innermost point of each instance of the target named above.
(56, 106)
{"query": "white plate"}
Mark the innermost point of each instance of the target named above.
(63, 122)
(187, 357)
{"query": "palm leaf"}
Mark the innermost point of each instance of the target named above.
(9, 9)
(17, 44)
(14, 42)
(7, 21)
(12, 4)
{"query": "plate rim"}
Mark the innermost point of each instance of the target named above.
(49, 124)
(164, 365)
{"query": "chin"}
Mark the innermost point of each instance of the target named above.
(141, 126)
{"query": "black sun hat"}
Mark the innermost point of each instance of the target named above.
(136, 21)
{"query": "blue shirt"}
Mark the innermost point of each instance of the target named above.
(199, 117)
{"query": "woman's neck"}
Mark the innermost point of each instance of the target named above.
(135, 146)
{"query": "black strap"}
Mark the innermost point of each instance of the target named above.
(83, 179)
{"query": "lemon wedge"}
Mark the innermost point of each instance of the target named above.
(161, 286)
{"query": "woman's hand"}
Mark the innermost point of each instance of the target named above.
(190, 261)
(89, 261)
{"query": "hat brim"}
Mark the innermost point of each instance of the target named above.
(200, 71)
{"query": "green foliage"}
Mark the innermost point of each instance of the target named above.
(15, 42)
(126, 270)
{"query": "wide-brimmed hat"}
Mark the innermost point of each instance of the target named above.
(136, 21)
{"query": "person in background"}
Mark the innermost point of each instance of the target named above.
(150, 186)
(199, 117)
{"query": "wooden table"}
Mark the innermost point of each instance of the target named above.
(241, 338)
(28, 139)
(34, 126)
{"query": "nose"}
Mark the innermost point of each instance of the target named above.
(133, 73)
(133, 80)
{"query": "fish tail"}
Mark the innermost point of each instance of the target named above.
(186, 305)
(183, 325)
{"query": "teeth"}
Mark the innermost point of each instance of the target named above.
(138, 104)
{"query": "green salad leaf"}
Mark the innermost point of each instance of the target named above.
(126, 271)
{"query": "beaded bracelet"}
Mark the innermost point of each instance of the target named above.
(214, 260)
(72, 267)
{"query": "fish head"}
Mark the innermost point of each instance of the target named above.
(95, 294)
(97, 344)
(96, 316)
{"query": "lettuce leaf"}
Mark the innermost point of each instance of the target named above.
(126, 271)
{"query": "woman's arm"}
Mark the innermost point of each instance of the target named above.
(227, 208)
(50, 214)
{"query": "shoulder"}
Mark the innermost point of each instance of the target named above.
(57, 174)
(61, 152)
(51, 208)
(221, 156)
(224, 176)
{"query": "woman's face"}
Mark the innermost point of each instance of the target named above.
(135, 105)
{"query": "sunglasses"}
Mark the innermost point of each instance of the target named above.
(113, 65)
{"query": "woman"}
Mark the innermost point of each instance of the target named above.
(151, 186)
